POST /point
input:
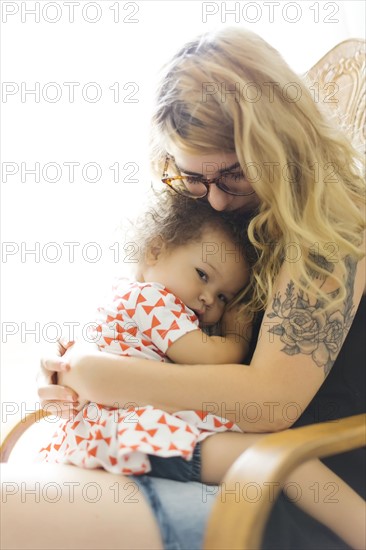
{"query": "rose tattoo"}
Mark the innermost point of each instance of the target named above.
(308, 329)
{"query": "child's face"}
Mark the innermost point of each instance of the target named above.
(205, 275)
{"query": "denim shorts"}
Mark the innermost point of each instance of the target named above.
(181, 509)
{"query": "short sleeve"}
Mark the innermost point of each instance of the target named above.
(162, 317)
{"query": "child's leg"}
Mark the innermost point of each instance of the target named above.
(219, 451)
(309, 486)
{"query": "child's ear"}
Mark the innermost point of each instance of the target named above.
(155, 250)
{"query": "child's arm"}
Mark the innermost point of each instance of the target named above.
(197, 347)
(312, 487)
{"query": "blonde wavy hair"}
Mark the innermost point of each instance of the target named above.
(308, 176)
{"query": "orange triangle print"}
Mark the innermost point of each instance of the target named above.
(173, 428)
(163, 333)
(131, 329)
(140, 299)
(134, 447)
(201, 414)
(123, 346)
(139, 428)
(155, 322)
(130, 312)
(174, 326)
(177, 313)
(93, 451)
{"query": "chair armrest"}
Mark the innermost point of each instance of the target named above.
(17, 431)
(239, 523)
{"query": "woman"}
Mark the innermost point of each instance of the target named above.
(235, 126)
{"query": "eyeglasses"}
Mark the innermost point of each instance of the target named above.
(198, 187)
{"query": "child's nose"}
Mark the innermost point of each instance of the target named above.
(207, 298)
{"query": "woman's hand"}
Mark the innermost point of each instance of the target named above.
(52, 395)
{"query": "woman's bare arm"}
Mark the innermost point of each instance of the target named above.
(267, 396)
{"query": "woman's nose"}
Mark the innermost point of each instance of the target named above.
(218, 199)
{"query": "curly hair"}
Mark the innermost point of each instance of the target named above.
(310, 185)
(179, 220)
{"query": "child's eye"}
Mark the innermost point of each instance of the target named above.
(223, 298)
(202, 275)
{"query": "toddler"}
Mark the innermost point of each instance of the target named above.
(191, 266)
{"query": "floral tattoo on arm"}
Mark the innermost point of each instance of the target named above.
(309, 329)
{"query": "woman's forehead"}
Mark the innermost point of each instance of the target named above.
(203, 163)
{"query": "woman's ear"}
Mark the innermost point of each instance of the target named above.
(154, 251)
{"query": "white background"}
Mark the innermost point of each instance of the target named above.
(124, 46)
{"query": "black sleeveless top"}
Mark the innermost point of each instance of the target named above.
(343, 394)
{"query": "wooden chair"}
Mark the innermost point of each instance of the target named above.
(240, 525)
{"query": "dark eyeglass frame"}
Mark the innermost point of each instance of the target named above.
(206, 182)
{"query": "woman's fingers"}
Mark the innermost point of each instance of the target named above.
(58, 400)
(63, 345)
(55, 364)
(53, 392)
